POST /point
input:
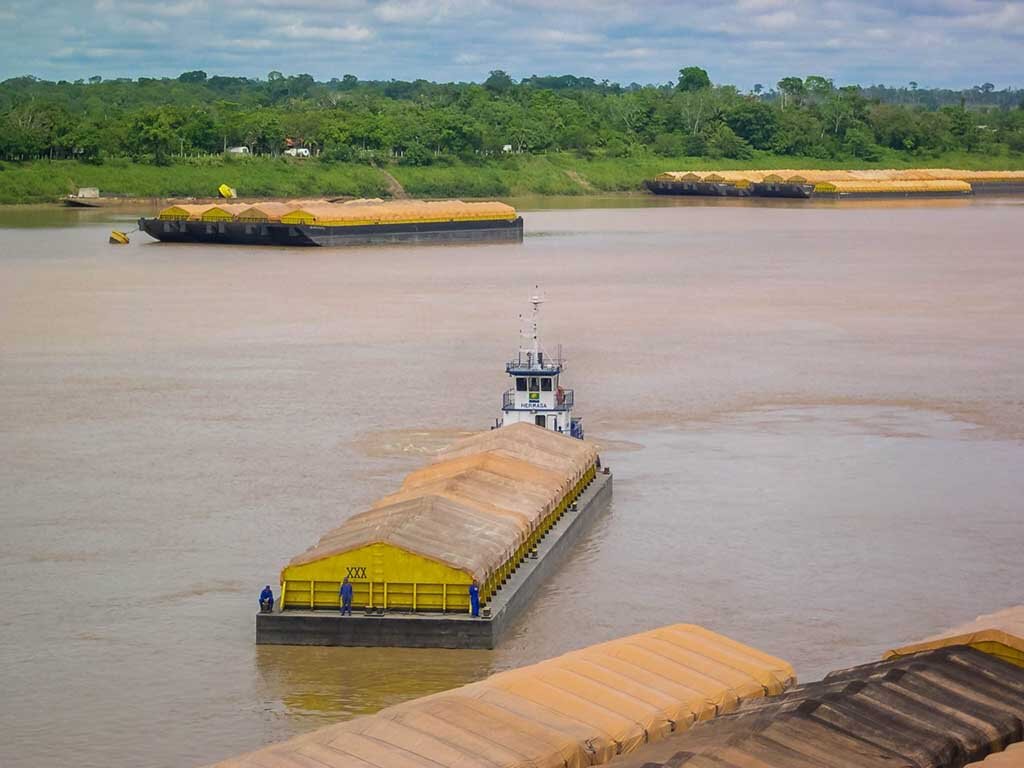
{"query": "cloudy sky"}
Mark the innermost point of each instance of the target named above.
(951, 43)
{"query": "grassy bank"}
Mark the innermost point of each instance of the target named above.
(46, 181)
(552, 174)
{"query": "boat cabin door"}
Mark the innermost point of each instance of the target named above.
(540, 420)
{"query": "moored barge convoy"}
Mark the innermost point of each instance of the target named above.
(325, 223)
(838, 184)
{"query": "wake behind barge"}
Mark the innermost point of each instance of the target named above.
(321, 223)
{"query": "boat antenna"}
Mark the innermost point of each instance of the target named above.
(522, 336)
(536, 300)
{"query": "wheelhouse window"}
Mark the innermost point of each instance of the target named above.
(520, 384)
(545, 385)
(534, 384)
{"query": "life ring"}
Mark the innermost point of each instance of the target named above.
(560, 396)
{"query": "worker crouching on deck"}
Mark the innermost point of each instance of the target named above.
(474, 599)
(266, 600)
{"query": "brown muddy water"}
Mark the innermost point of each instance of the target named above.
(815, 415)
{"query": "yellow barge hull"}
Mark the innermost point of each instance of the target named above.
(449, 625)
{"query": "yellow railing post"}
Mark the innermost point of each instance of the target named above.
(414, 596)
(385, 595)
(312, 594)
(444, 598)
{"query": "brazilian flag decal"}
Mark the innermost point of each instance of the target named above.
(535, 396)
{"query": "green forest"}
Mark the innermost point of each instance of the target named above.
(554, 135)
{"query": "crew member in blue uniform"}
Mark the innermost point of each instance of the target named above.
(266, 600)
(474, 599)
(345, 593)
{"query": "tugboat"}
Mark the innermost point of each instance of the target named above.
(452, 556)
(536, 396)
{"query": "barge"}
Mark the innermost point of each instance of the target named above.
(696, 188)
(685, 696)
(323, 223)
(485, 522)
(839, 184)
(583, 708)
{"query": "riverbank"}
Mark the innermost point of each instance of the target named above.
(551, 174)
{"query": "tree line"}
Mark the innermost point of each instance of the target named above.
(421, 122)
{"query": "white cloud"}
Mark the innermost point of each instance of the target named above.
(247, 44)
(350, 33)
(939, 42)
(760, 6)
(637, 54)
(563, 37)
(776, 20)
(171, 8)
(137, 26)
(410, 11)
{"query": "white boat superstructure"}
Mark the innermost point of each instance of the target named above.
(537, 396)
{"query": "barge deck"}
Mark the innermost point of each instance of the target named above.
(443, 630)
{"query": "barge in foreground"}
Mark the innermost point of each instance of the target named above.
(499, 510)
(322, 223)
(685, 697)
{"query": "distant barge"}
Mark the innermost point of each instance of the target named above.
(727, 189)
(838, 184)
(322, 223)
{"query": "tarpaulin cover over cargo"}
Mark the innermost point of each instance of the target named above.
(813, 176)
(1011, 757)
(1000, 634)
(937, 709)
(348, 213)
(471, 515)
(575, 710)
(863, 182)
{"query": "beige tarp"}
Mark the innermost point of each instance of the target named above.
(1011, 757)
(368, 212)
(351, 212)
(265, 211)
(184, 211)
(576, 710)
(825, 176)
(473, 510)
(1000, 634)
(536, 491)
(535, 444)
(572, 466)
(883, 187)
(459, 535)
(223, 211)
(478, 489)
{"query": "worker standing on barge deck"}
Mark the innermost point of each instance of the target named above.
(345, 593)
(474, 599)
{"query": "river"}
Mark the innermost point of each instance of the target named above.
(815, 416)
